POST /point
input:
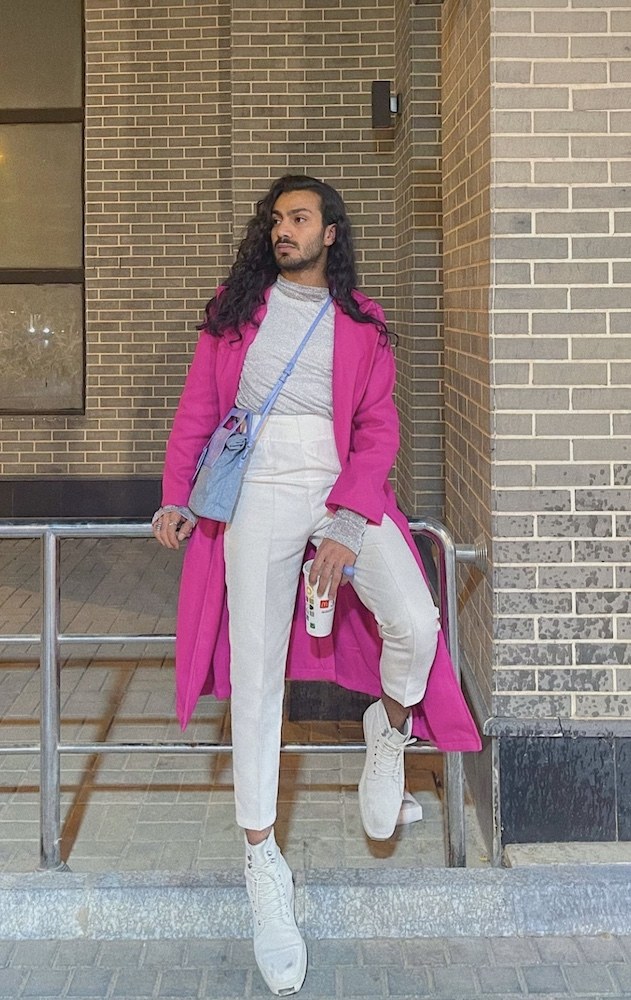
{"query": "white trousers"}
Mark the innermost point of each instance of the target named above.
(281, 508)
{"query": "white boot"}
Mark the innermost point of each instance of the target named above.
(382, 782)
(280, 952)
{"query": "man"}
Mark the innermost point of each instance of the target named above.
(317, 480)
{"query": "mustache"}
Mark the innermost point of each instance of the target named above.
(283, 243)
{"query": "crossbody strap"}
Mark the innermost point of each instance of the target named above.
(287, 370)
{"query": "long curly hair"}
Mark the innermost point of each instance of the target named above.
(255, 268)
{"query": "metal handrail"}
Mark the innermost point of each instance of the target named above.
(51, 639)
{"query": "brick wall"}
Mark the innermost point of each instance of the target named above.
(157, 182)
(562, 358)
(417, 253)
(466, 94)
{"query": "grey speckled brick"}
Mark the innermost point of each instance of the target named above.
(575, 577)
(533, 552)
(532, 706)
(541, 602)
(575, 680)
(514, 680)
(607, 654)
(514, 628)
(575, 628)
(603, 601)
(599, 551)
(533, 655)
(586, 525)
(514, 577)
(532, 500)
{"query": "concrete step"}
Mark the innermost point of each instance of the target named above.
(350, 903)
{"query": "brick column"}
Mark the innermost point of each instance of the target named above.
(555, 318)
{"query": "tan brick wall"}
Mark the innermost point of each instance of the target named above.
(562, 351)
(158, 218)
(417, 253)
(467, 275)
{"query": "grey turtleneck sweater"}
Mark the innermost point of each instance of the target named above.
(309, 389)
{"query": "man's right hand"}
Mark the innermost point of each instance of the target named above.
(171, 528)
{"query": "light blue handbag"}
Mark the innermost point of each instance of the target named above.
(219, 473)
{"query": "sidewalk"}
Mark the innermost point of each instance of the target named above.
(164, 816)
(592, 968)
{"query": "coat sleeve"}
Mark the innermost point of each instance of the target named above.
(374, 443)
(196, 417)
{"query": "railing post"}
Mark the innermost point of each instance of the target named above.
(453, 813)
(50, 726)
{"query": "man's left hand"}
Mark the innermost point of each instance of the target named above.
(328, 565)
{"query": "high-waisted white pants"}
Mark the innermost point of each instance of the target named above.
(281, 508)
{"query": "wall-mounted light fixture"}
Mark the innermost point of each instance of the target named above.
(384, 104)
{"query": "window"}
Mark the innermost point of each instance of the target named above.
(41, 206)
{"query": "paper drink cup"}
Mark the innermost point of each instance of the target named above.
(318, 610)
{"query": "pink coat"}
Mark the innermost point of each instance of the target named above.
(367, 438)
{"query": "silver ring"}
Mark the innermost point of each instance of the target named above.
(172, 522)
(158, 525)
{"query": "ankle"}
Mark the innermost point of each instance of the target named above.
(255, 837)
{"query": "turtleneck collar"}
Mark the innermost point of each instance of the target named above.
(306, 293)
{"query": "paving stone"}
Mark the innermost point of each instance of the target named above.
(601, 949)
(95, 982)
(455, 980)
(513, 951)
(387, 952)
(361, 981)
(412, 982)
(226, 983)
(622, 976)
(6, 951)
(182, 982)
(131, 983)
(10, 982)
(498, 980)
(589, 978)
(558, 949)
(336, 952)
(468, 951)
(424, 951)
(77, 953)
(164, 952)
(119, 954)
(215, 953)
(43, 983)
(34, 953)
(546, 979)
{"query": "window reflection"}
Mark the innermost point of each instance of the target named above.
(41, 348)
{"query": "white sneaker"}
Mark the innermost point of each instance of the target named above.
(381, 785)
(280, 952)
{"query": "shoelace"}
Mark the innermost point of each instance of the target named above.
(387, 756)
(270, 900)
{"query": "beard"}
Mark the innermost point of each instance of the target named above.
(302, 259)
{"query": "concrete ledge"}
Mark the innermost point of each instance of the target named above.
(365, 903)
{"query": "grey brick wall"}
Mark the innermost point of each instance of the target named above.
(560, 338)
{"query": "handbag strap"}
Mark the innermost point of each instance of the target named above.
(287, 370)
